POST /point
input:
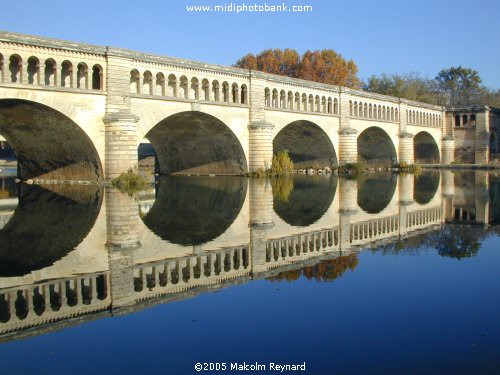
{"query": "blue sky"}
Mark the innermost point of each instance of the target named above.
(380, 36)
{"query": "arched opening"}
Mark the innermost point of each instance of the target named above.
(297, 101)
(195, 89)
(307, 144)
(225, 92)
(235, 94)
(82, 77)
(275, 99)
(172, 86)
(160, 84)
(375, 147)
(147, 83)
(46, 225)
(196, 143)
(244, 94)
(282, 99)
(216, 91)
(15, 68)
(493, 144)
(304, 102)
(195, 210)
(206, 89)
(1, 68)
(33, 71)
(66, 74)
(465, 120)
(425, 149)
(426, 186)
(289, 103)
(135, 82)
(472, 120)
(97, 77)
(183, 88)
(306, 198)
(50, 72)
(267, 97)
(47, 143)
(376, 191)
(457, 120)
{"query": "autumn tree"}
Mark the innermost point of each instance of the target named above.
(324, 66)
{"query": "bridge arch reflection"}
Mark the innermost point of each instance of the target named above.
(195, 210)
(376, 191)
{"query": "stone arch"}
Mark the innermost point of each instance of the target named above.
(282, 99)
(50, 72)
(375, 146)
(375, 192)
(33, 70)
(311, 103)
(289, 103)
(303, 200)
(135, 82)
(425, 149)
(317, 104)
(297, 101)
(48, 144)
(97, 78)
(57, 219)
(307, 144)
(82, 77)
(15, 68)
(335, 106)
(425, 186)
(196, 143)
(193, 211)
(267, 97)
(304, 102)
(66, 73)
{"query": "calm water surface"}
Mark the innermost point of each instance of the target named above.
(385, 274)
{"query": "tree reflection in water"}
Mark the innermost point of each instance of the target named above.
(327, 270)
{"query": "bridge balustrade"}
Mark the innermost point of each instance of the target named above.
(178, 275)
(422, 218)
(300, 102)
(53, 300)
(422, 118)
(367, 231)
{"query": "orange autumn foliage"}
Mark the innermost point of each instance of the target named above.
(325, 66)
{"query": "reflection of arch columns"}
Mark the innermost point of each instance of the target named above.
(447, 150)
(482, 201)
(406, 192)
(447, 194)
(122, 223)
(348, 199)
(261, 219)
(348, 145)
(406, 149)
(122, 220)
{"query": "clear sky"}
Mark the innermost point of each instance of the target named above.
(380, 36)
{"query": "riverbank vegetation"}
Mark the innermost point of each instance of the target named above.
(129, 182)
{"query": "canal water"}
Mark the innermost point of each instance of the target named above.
(391, 274)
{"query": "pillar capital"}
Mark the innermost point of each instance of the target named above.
(406, 135)
(260, 125)
(121, 116)
(348, 131)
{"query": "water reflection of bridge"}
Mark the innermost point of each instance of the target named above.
(93, 280)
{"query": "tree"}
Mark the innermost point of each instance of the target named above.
(458, 86)
(324, 66)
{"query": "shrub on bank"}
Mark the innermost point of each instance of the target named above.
(129, 183)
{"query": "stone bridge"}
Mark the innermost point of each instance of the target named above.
(108, 272)
(78, 111)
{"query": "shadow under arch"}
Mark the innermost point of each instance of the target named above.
(196, 143)
(47, 143)
(309, 200)
(425, 149)
(195, 210)
(426, 186)
(376, 191)
(307, 144)
(375, 146)
(46, 225)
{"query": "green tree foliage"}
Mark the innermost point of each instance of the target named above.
(455, 86)
(325, 66)
(458, 86)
